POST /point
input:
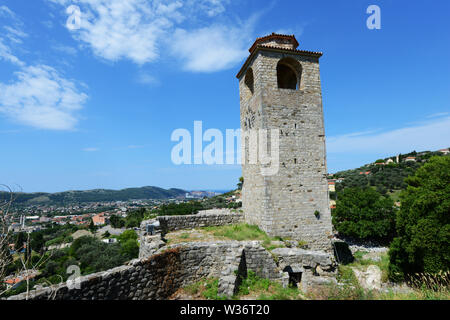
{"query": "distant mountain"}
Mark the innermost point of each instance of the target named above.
(97, 195)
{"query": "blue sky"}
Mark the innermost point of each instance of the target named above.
(95, 107)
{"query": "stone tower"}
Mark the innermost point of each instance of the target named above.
(280, 89)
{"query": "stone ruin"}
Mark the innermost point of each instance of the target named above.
(279, 89)
(163, 269)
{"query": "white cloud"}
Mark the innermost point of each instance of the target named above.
(40, 97)
(117, 29)
(6, 54)
(212, 48)
(146, 79)
(439, 114)
(11, 35)
(91, 149)
(138, 30)
(5, 11)
(430, 135)
(65, 49)
(15, 34)
(210, 7)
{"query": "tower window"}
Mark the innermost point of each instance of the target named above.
(249, 80)
(289, 74)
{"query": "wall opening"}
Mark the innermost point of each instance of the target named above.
(295, 276)
(249, 80)
(289, 74)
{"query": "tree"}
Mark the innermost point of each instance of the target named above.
(128, 244)
(241, 183)
(423, 223)
(94, 255)
(92, 226)
(364, 214)
(37, 241)
(116, 221)
(21, 238)
(134, 218)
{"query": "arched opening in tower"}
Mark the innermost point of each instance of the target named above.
(288, 74)
(249, 80)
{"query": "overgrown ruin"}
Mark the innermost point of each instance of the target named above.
(279, 89)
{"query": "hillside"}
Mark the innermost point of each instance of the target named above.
(98, 195)
(387, 176)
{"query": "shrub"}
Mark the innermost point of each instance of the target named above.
(423, 223)
(364, 214)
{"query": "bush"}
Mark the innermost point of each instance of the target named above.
(423, 223)
(129, 246)
(364, 214)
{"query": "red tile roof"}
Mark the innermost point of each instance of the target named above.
(258, 46)
(274, 36)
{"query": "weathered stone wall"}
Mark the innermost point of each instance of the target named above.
(315, 267)
(202, 219)
(149, 244)
(176, 266)
(284, 204)
(259, 260)
(159, 276)
(154, 278)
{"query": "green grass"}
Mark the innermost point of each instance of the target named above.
(211, 290)
(239, 232)
(207, 289)
(265, 289)
(346, 275)
(418, 294)
(253, 286)
(184, 235)
(351, 290)
(362, 263)
(243, 232)
(194, 288)
(281, 293)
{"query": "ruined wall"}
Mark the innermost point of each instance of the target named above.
(314, 267)
(154, 278)
(202, 219)
(159, 276)
(284, 204)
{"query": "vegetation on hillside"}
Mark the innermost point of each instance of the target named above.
(364, 214)
(99, 195)
(418, 232)
(384, 178)
(423, 223)
(87, 253)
